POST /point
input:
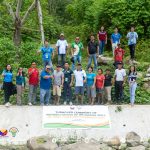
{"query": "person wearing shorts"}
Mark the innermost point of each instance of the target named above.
(100, 80)
(80, 79)
(90, 80)
(58, 84)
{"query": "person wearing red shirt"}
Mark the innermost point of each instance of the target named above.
(100, 80)
(33, 74)
(118, 55)
(102, 39)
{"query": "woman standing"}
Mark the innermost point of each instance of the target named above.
(7, 84)
(100, 80)
(91, 79)
(20, 82)
(132, 83)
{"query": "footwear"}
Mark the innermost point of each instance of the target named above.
(30, 104)
(70, 103)
(47, 104)
(7, 104)
(65, 103)
(42, 104)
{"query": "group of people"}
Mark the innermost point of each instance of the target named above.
(65, 79)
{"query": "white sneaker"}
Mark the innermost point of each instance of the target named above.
(8, 104)
(65, 103)
(70, 103)
(30, 104)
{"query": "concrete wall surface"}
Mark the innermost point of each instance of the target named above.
(28, 120)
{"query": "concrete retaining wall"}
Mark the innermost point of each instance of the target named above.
(28, 120)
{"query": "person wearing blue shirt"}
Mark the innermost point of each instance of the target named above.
(45, 85)
(90, 80)
(115, 39)
(132, 39)
(7, 84)
(47, 54)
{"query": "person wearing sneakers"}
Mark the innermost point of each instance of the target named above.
(45, 86)
(7, 84)
(68, 82)
(58, 84)
(33, 75)
(80, 79)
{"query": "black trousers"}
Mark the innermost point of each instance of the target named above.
(67, 92)
(119, 90)
(7, 90)
(132, 51)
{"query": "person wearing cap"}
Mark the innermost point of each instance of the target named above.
(118, 55)
(47, 54)
(61, 48)
(58, 84)
(120, 78)
(45, 85)
(80, 79)
(68, 82)
(115, 39)
(77, 48)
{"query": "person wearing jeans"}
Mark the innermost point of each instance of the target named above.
(132, 39)
(77, 47)
(132, 84)
(92, 51)
(102, 39)
(33, 74)
(61, 48)
(120, 75)
(45, 86)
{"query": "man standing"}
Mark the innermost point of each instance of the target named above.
(115, 39)
(77, 47)
(118, 55)
(68, 82)
(33, 75)
(132, 38)
(45, 85)
(92, 51)
(80, 79)
(47, 53)
(120, 75)
(58, 84)
(61, 48)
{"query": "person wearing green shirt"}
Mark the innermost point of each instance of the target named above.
(77, 48)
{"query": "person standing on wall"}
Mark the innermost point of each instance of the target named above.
(7, 84)
(76, 51)
(61, 49)
(33, 75)
(115, 39)
(92, 50)
(132, 37)
(102, 39)
(47, 54)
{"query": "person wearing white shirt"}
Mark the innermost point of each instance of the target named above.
(61, 48)
(120, 76)
(80, 79)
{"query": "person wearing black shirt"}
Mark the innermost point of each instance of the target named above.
(68, 81)
(92, 50)
(108, 85)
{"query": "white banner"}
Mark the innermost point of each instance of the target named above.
(76, 117)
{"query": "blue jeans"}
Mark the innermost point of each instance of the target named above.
(48, 63)
(77, 58)
(61, 59)
(101, 47)
(45, 96)
(133, 87)
(92, 56)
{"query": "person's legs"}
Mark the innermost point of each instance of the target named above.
(69, 93)
(132, 49)
(42, 96)
(102, 44)
(55, 94)
(6, 92)
(73, 64)
(120, 90)
(34, 93)
(89, 61)
(30, 95)
(93, 95)
(58, 94)
(63, 59)
(95, 61)
(79, 59)
(109, 93)
(133, 89)
(117, 91)
(47, 96)
(82, 94)
(59, 58)
(65, 87)
(77, 91)
(19, 94)
(114, 46)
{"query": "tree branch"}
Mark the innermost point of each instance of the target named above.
(10, 10)
(27, 12)
(19, 4)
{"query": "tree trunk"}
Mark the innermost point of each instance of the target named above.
(17, 32)
(40, 21)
